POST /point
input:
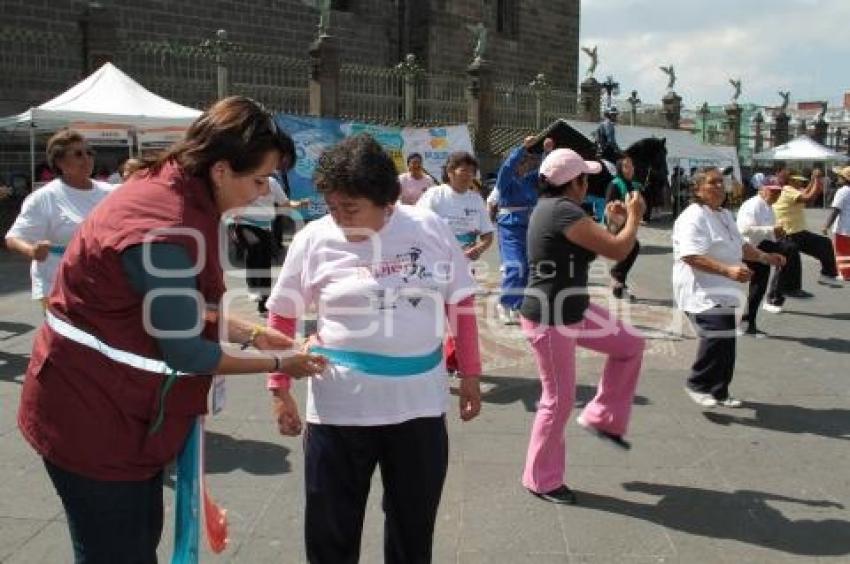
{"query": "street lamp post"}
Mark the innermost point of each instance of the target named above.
(611, 88)
(634, 102)
(704, 112)
(219, 48)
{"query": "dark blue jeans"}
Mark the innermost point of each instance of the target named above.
(714, 366)
(340, 460)
(110, 522)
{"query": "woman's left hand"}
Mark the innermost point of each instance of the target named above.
(473, 253)
(272, 340)
(469, 398)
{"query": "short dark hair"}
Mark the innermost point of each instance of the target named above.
(412, 156)
(456, 159)
(621, 162)
(360, 168)
(59, 143)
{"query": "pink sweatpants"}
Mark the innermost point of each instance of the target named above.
(554, 349)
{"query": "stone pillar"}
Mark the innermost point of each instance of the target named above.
(820, 131)
(98, 27)
(671, 104)
(759, 140)
(733, 122)
(480, 99)
(324, 77)
(780, 131)
(591, 100)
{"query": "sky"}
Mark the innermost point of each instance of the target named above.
(709, 42)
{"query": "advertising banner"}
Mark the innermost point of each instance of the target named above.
(313, 135)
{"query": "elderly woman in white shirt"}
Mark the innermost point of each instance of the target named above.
(51, 215)
(707, 277)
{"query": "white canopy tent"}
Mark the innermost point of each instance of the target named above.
(801, 149)
(107, 96)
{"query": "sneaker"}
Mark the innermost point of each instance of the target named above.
(616, 440)
(754, 333)
(562, 495)
(799, 294)
(730, 402)
(772, 308)
(831, 281)
(701, 399)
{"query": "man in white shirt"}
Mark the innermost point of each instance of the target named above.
(758, 226)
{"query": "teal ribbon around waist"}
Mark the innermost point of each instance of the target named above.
(57, 249)
(381, 364)
(466, 238)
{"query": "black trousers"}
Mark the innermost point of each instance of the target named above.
(762, 283)
(620, 271)
(257, 244)
(714, 366)
(340, 460)
(110, 522)
(819, 247)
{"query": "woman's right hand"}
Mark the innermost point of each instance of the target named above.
(286, 413)
(739, 273)
(302, 364)
(40, 250)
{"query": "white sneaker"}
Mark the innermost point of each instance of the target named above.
(831, 281)
(504, 314)
(772, 308)
(703, 400)
(729, 402)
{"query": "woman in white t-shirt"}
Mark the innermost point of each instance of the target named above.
(415, 181)
(839, 220)
(51, 215)
(383, 279)
(708, 277)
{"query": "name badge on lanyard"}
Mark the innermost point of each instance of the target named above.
(219, 397)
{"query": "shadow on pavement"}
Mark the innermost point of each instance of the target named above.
(829, 423)
(12, 365)
(508, 389)
(743, 515)
(832, 316)
(831, 344)
(14, 272)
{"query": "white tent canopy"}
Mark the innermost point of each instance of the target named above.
(106, 96)
(802, 148)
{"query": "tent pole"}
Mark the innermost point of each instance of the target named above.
(32, 156)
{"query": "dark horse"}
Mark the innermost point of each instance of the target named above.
(649, 156)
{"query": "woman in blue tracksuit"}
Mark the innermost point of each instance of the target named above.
(517, 187)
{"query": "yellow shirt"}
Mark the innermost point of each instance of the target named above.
(790, 214)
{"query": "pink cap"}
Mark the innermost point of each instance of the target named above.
(562, 165)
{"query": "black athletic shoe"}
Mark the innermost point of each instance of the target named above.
(799, 294)
(562, 495)
(616, 440)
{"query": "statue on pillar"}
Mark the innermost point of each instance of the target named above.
(736, 84)
(671, 76)
(786, 98)
(594, 59)
(479, 36)
(324, 7)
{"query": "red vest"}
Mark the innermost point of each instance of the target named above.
(81, 410)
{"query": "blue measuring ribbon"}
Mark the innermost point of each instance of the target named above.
(466, 238)
(381, 364)
(57, 249)
(187, 506)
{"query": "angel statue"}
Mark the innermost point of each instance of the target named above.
(736, 84)
(824, 106)
(324, 7)
(594, 59)
(479, 34)
(671, 76)
(786, 97)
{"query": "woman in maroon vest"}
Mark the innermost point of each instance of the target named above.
(120, 370)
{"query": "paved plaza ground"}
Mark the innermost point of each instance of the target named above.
(766, 483)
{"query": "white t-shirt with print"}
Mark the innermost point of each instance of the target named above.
(261, 212)
(841, 202)
(53, 213)
(699, 230)
(387, 296)
(465, 213)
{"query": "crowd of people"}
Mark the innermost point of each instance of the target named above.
(130, 280)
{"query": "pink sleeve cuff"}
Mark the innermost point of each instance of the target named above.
(286, 325)
(463, 324)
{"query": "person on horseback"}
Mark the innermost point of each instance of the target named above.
(606, 138)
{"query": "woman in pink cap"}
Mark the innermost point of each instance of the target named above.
(556, 316)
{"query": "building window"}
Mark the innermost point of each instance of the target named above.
(507, 17)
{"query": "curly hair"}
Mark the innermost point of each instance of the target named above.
(359, 168)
